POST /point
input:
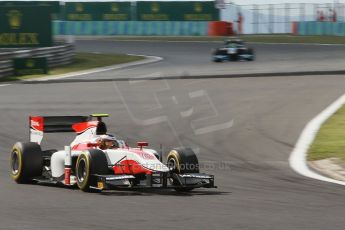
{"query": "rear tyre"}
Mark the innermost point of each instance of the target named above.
(26, 162)
(182, 161)
(88, 163)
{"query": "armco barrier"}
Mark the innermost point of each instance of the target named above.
(131, 28)
(320, 28)
(57, 55)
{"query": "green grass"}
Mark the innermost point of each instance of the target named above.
(82, 61)
(280, 38)
(330, 141)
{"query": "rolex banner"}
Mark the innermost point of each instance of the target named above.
(98, 11)
(177, 11)
(28, 26)
(30, 66)
(141, 11)
(54, 5)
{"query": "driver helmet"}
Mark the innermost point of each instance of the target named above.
(107, 141)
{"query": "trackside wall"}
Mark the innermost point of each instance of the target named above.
(131, 28)
(319, 28)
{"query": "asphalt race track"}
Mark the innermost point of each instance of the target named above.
(243, 128)
(193, 59)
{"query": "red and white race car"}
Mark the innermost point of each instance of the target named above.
(96, 160)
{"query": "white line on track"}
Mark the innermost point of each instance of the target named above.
(148, 60)
(5, 85)
(298, 156)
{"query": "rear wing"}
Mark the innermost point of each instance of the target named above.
(56, 124)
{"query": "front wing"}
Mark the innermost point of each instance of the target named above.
(157, 181)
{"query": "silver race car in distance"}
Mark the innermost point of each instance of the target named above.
(233, 50)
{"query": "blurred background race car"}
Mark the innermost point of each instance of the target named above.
(233, 50)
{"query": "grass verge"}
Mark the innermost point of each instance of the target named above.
(82, 61)
(281, 38)
(330, 140)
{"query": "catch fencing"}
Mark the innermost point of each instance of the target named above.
(278, 18)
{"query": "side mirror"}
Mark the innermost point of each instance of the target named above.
(142, 144)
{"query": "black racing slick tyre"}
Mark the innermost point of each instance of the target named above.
(181, 161)
(233, 57)
(251, 52)
(26, 162)
(88, 163)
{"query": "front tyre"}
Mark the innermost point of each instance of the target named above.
(233, 57)
(88, 163)
(182, 161)
(252, 55)
(26, 162)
